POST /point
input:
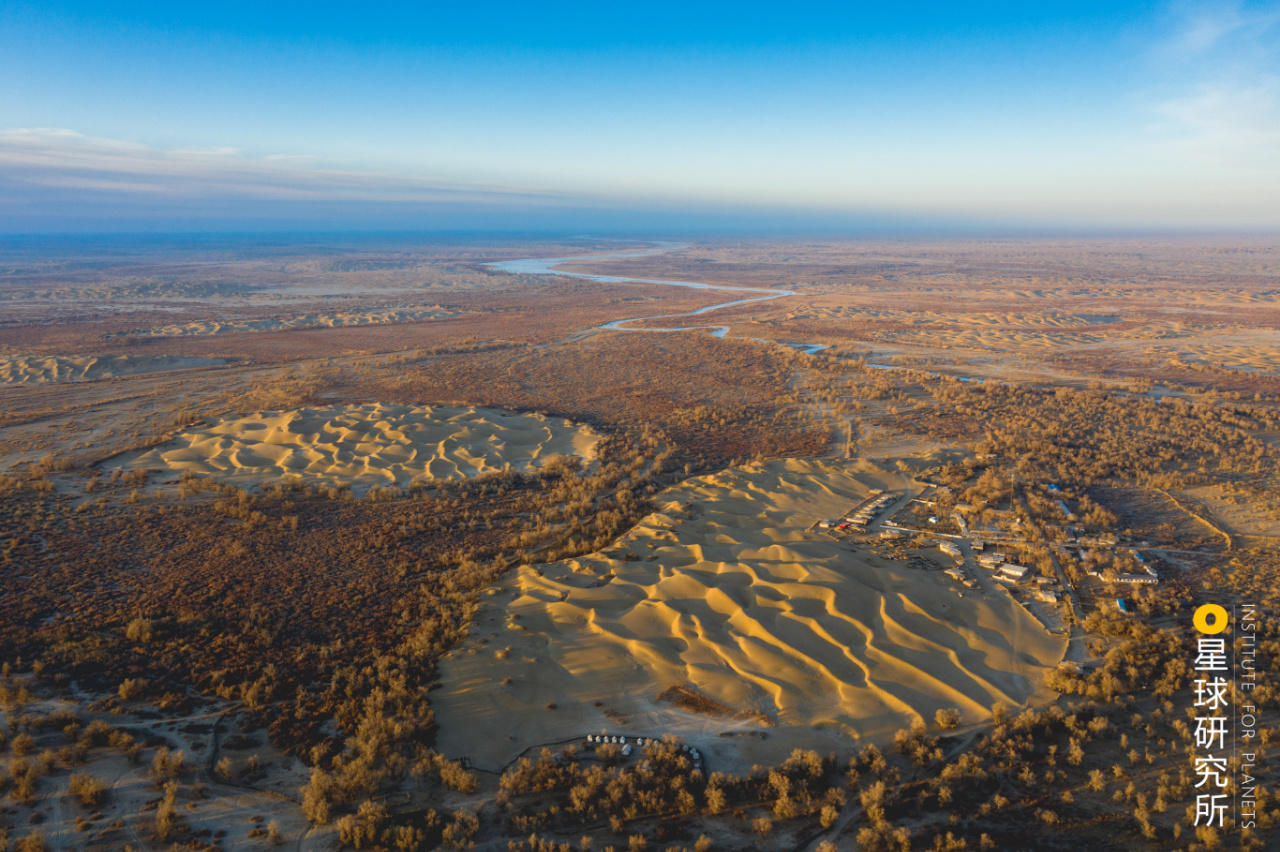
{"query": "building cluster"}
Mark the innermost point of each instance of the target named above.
(1012, 574)
(594, 740)
(991, 542)
(1144, 576)
(861, 516)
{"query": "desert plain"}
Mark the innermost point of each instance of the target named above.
(386, 540)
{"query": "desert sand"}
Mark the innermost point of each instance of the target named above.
(368, 445)
(378, 316)
(1252, 355)
(739, 601)
(39, 369)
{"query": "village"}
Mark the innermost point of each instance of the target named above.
(987, 548)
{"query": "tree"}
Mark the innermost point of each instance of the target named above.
(167, 812)
(89, 791)
(947, 718)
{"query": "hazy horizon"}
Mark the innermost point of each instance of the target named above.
(1102, 117)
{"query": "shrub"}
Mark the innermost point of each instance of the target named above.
(947, 718)
(167, 765)
(459, 834)
(89, 791)
(23, 745)
(138, 630)
(33, 842)
(316, 796)
(132, 688)
(96, 733)
(455, 777)
(167, 812)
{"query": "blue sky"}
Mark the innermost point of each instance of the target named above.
(679, 116)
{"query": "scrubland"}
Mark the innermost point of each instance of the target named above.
(371, 584)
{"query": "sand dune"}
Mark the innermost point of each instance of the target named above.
(380, 316)
(989, 330)
(1048, 319)
(38, 369)
(995, 338)
(1233, 297)
(368, 445)
(1257, 357)
(743, 604)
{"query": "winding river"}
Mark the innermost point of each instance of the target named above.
(546, 266)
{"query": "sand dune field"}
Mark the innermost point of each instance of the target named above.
(380, 316)
(979, 330)
(994, 338)
(1259, 356)
(723, 589)
(39, 369)
(1028, 320)
(367, 445)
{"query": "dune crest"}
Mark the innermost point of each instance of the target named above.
(1258, 355)
(375, 316)
(368, 445)
(39, 369)
(738, 600)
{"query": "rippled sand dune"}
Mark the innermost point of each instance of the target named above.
(1259, 357)
(1026, 320)
(381, 316)
(995, 338)
(369, 445)
(38, 369)
(740, 602)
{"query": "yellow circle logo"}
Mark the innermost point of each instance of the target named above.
(1211, 619)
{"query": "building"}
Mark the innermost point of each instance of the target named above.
(1014, 572)
(950, 548)
(1138, 579)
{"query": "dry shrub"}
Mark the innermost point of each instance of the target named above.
(167, 812)
(132, 688)
(138, 630)
(88, 791)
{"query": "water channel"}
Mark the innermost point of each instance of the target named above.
(546, 266)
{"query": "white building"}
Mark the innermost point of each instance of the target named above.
(1014, 572)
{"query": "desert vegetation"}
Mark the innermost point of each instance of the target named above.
(171, 639)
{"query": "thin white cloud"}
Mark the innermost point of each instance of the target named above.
(1239, 124)
(1222, 90)
(1199, 29)
(55, 157)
